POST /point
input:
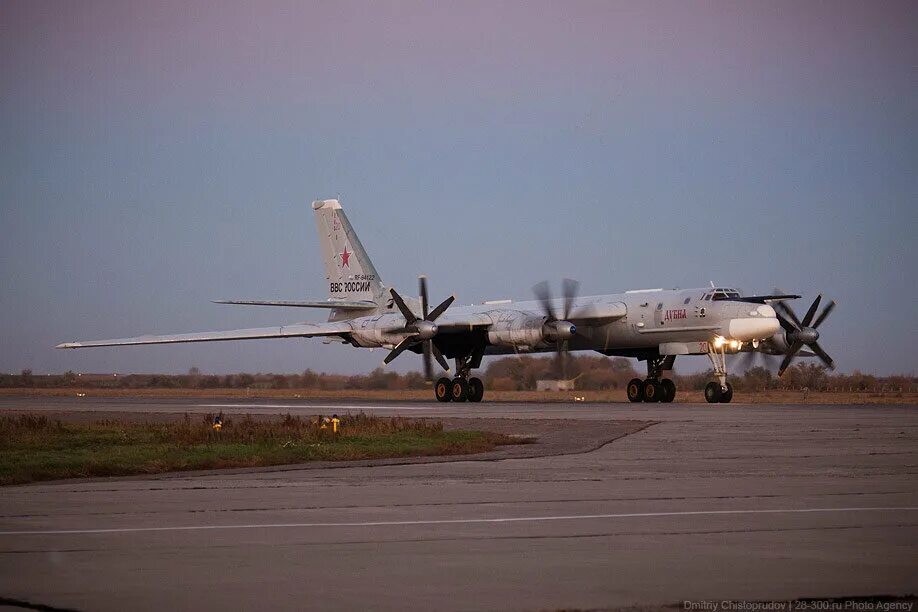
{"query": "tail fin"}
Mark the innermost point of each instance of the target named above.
(348, 270)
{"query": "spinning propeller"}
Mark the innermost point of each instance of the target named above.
(803, 333)
(422, 330)
(754, 358)
(557, 327)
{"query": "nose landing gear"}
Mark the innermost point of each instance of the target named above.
(719, 391)
(714, 393)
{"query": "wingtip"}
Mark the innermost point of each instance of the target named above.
(67, 345)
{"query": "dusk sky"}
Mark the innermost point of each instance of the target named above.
(158, 155)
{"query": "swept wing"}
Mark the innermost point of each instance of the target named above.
(299, 330)
(587, 312)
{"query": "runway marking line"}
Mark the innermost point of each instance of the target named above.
(471, 521)
(324, 406)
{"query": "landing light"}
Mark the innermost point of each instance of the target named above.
(733, 345)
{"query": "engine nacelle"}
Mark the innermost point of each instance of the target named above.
(779, 341)
(385, 331)
(522, 331)
(526, 332)
(372, 338)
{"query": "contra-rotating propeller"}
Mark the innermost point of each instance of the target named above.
(754, 358)
(557, 327)
(422, 330)
(803, 333)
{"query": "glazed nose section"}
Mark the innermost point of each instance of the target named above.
(753, 328)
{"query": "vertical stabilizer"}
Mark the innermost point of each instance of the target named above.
(348, 270)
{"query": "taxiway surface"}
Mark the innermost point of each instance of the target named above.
(712, 502)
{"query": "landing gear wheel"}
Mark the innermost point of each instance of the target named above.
(476, 390)
(726, 396)
(636, 390)
(669, 390)
(459, 390)
(653, 390)
(712, 392)
(441, 389)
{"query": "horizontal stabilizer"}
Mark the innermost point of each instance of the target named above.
(339, 304)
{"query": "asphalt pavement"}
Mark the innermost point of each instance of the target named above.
(709, 503)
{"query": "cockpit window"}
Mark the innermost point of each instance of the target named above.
(725, 294)
(687, 300)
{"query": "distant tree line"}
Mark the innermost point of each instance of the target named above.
(600, 373)
(591, 373)
(506, 374)
(194, 379)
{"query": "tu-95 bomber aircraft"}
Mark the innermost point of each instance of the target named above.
(653, 326)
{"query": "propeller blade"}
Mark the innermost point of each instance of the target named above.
(398, 350)
(422, 294)
(747, 361)
(791, 352)
(822, 355)
(428, 365)
(406, 312)
(436, 312)
(439, 356)
(785, 310)
(429, 349)
(755, 358)
(768, 361)
(787, 325)
(808, 317)
(569, 289)
(825, 313)
(543, 294)
(561, 361)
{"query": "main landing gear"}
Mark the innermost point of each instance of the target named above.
(462, 388)
(654, 388)
(719, 391)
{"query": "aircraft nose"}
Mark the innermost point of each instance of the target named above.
(753, 328)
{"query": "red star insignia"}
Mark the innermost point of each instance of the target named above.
(345, 256)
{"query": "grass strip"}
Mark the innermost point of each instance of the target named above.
(34, 448)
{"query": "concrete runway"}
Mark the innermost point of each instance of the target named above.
(713, 502)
